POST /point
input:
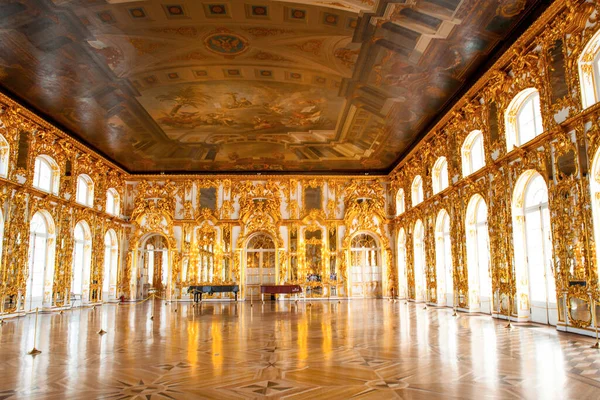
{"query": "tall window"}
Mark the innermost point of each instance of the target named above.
(420, 291)
(472, 154)
(85, 190)
(478, 256)
(4, 156)
(112, 202)
(523, 118)
(533, 248)
(45, 174)
(400, 206)
(443, 260)
(41, 260)
(439, 175)
(149, 263)
(595, 191)
(417, 190)
(111, 254)
(82, 258)
(589, 72)
(402, 278)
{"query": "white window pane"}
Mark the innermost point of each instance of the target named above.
(4, 153)
(444, 176)
(81, 191)
(110, 203)
(43, 172)
(477, 155)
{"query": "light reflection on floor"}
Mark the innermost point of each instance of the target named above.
(360, 348)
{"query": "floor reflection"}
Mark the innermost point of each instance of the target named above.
(359, 348)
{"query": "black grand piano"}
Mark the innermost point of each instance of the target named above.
(210, 289)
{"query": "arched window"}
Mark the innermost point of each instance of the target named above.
(523, 118)
(478, 256)
(439, 175)
(589, 72)
(113, 204)
(472, 154)
(420, 289)
(417, 190)
(1, 235)
(365, 258)
(400, 206)
(85, 190)
(595, 191)
(402, 270)
(111, 254)
(41, 260)
(4, 156)
(443, 260)
(46, 174)
(533, 250)
(82, 259)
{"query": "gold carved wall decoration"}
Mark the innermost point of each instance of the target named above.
(552, 57)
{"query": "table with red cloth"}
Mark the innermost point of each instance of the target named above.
(279, 289)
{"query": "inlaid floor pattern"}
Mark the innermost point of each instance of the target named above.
(359, 349)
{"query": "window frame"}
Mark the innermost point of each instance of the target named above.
(116, 202)
(400, 210)
(89, 190)
(417, 186)
(54, 183)
(466, 152)
(589, 78)
(512, 117)
(4, 156)
(440, 166)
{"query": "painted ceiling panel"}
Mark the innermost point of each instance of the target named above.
(191, 86)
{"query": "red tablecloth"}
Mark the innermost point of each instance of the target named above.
(278, 289)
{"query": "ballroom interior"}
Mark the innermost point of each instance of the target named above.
(301, 199)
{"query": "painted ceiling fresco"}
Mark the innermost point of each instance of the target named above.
(191, 86)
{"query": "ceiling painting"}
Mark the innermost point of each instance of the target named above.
(185, 86)
(195, 112)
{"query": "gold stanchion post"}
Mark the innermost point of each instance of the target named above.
(34, 351)
(597, 344)
(509, 325)
(153, 301)
(455, 301)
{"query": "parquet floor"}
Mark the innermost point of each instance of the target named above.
(364, 349)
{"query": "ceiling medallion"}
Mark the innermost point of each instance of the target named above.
(226, 43)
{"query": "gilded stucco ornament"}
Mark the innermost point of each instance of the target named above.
(562, 155)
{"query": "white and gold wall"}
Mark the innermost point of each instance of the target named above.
(496, 210)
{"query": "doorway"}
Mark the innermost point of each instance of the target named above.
(260, 264)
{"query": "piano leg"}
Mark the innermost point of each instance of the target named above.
(235, 293)
(262, 295)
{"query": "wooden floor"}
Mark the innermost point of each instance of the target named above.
(367, 349)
